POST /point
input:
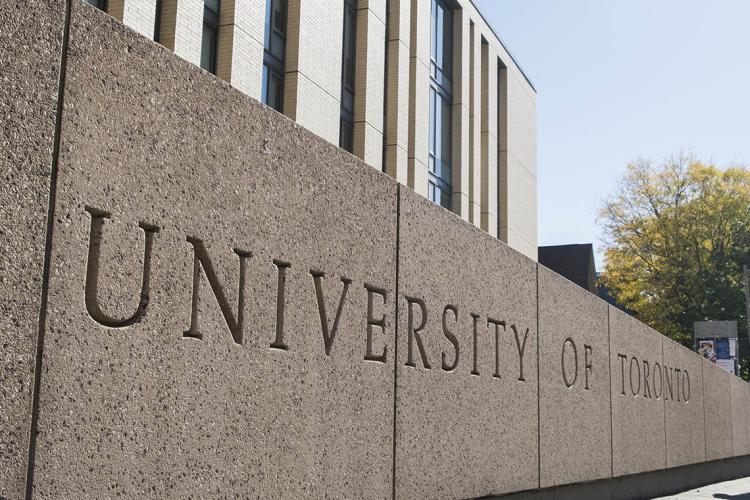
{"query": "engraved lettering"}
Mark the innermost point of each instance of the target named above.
(451, 337)
(657, 369)
(328, 335)
(646, 388)
(92, 272)
(677, 372)
(475, 335)
(413, 332)
(634, 362)
(521, 349)
(372, 322)
(278, 342)
(201, 260)
(622, 358)
(568, 382)
(497, 324)
(668, 377)
(588, 354)
(685, 378)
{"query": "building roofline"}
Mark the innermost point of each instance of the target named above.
(528, 80)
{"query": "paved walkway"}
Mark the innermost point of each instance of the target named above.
(739, 489)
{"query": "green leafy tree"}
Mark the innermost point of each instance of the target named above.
(676, 236)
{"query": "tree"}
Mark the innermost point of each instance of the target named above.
(676, 237)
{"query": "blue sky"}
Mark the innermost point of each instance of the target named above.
(619, 80)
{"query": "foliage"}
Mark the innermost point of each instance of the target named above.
(676, 237)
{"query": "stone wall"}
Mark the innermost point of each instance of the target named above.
(231, 305)
(31, 41)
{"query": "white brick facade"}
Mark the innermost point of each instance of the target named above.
(140, 15)
(493, 107)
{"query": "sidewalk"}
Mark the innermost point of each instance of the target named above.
(739, 489)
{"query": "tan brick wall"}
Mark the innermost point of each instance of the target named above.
(370, 76)
(419, 97)
(168, 23)
(139, 15)
(240, 49)
(489, 168)
(475, 143)
(189, 30)
(398, 88)
(515, 166)
(115, 8)
(312, 93)
(461, 113)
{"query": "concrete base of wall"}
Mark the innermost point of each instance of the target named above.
(646, 485)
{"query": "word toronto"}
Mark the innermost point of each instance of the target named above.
(417, 314)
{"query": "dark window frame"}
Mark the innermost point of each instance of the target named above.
(348, 75)
(157, 22)
(211, 23)
(440, 163)
(99, 4)
(274, 64)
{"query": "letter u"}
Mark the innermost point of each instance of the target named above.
(92, 272)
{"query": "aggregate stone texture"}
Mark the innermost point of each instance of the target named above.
(465, 428)
(740, 422)
(638, 428)
(574, 412)
(136, 408)
(30, 48)
(717, 404)
(683, 405)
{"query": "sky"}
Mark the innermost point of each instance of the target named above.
(620, 80)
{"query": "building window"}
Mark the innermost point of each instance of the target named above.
(439, 187)
(210, 37)
(274, 43)
(99, 4)
(157, 22)
(346, 132)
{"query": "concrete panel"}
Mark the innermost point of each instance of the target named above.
(638, 429)
(740, 421)
(574, 412)
(683, 405)
(467, 422)
(30, 47)
(244, 371)
(717, 396)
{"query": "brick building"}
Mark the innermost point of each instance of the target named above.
(421, 89)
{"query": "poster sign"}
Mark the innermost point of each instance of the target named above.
(707, 349)
(722, 351)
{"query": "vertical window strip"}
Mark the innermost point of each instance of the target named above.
(502, 110)
(157, 22)
(99, 4)
(274, 54)
(473, 195)
(349, 50)
(210, 37)
(439, 188)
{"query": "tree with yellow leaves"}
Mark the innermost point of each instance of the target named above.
(676, 237)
